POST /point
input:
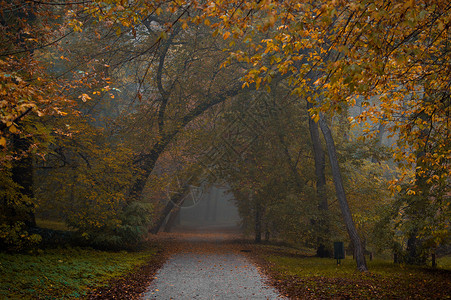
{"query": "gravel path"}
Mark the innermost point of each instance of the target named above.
(209, 270)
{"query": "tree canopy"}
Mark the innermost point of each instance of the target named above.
(97, 96)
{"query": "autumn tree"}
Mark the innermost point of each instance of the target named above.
(214, 11)
(393, 52)
(48, 117)
(390, 57)
(27, 94)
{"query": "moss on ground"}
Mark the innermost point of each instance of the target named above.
(64, 273)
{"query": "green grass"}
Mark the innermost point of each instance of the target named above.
(301, 276)
(314, 266)
(63, 273)
(444, 262)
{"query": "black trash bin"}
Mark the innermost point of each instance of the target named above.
(339, 251)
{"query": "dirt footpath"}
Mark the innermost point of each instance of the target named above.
(206, 265)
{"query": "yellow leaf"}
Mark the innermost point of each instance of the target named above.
(2, 141)
(84, 97)
(184, 25)
(316, 118)
(226, 35)
(13, 129)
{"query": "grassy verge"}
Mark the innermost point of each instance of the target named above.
(64, 273)
(304, 277)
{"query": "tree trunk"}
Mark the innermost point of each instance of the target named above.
(320, 162)
(174, 214)
(22, 174)
(257, 219)
(347, 216)
(412, 253)
(267, 233)
(258, 224)
(415, 253)
(324, 244)
(176, 200)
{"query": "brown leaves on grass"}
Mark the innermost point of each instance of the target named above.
(364, 288)
(132, 285)
(419, 284)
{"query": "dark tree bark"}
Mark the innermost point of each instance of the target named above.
(172, 220)
(22, 174)
(341, 195)
(324, 244)
(267, 233)
(258, 223)
(175, 200)
(320, 162)
(415, 251)
(413, 245)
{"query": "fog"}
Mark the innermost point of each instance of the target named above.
(214, 209)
